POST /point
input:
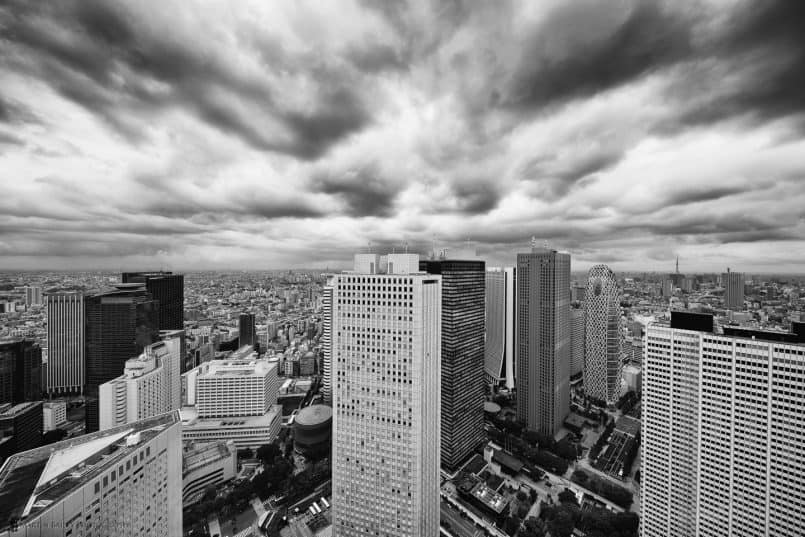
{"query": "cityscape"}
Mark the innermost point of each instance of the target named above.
(402, 269)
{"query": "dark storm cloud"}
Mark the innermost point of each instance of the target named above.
(647, 37)
(701, 194)
(10, 139)
(754, 66)
(365, 190)
(95, 54)
(556, 175)
(479, 196)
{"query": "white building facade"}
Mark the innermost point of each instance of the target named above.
(124, 481)
(722, 435)
(149, 385)
(386, 398)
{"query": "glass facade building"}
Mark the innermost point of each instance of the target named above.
(168, 289)
(462, 372)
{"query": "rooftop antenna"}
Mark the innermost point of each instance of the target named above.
(406, 246)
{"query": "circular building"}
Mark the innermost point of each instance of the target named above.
(311, 430)
(491, 409)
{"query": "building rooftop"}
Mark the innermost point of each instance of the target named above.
(199, 455)
(33, 480)
(9, 410)
(314, 415)
(236, 368)
(191, 420)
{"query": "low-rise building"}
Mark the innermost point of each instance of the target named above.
(205, 465)
(244, 431)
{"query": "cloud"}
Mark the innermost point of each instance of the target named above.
(295, 133)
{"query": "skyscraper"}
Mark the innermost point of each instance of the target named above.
(578, 343)
(386, 359)
(120, 324)
(327, 343)
(500, 326)
(20, 371)
(462, 370)
(722, 432)
(733, 290)
(247, 333)
(603, 364)
(66, 343)
(543, 339)
(20, 428)
(122, 481)
(168, 289)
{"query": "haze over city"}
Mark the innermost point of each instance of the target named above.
(293, 134)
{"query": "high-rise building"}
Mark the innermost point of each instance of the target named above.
(66, 344)
(166, 288)
(578, 343)
(150, 385)
(327, 344)
(120, 324)
(733, 290)
(462, 371)
(499, 348)
(33, 296)
(172, 344)
(722, 431)
(247, 333)
(543, 339)
(603, 361)
(20, 371)
(122, 481)
(20, 428)
(386, 358)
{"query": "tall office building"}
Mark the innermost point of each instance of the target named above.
(386, 359)
(543, 339)
(33, 296)
(327, 343)
(603, 363)
(499, 348)
(247, 332)
(66, 344)
(722, 431)
(122, 481)
(462, 371)
(733, 290)
(120, 324)
(168, 289)
(578, 342)
(20, 371)
(150, 385)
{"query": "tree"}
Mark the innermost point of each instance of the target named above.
(534, 527)
(511, 525)
(521, 496)
(567, 496)
(268, 452)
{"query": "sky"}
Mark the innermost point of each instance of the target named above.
(262, 135)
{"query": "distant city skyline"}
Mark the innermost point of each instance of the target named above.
(293, 134)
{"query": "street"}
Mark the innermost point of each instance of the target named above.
(458, 525)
